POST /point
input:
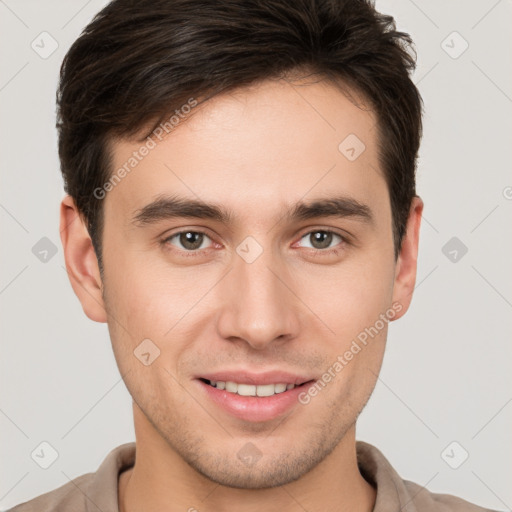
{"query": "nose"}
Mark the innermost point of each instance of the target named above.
(258, 303)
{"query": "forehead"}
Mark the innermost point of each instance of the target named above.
(264, 145)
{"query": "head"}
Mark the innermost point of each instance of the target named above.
(270, 221)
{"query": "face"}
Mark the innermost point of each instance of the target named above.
(248, 291)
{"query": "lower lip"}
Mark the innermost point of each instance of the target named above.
(254, 408)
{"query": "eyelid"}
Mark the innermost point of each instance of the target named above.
(194, 229)
(166, 240)
(344, 235)
(336, 231)
(345, 239)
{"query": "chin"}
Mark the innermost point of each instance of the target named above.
(260, 475)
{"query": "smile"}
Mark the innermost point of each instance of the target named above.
(254, 397)
(250, 389)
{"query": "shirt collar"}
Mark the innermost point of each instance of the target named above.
(392, 495)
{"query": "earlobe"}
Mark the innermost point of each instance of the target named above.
(81, 261)
(406, 265)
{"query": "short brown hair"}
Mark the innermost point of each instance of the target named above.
(139, 60)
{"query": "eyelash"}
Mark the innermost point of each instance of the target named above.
(314, 252)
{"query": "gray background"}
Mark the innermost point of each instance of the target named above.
(447, 371)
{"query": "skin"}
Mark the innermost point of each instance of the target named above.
(256, 152)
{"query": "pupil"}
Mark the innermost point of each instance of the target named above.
(191, 240)
(323, 237)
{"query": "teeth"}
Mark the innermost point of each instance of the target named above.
(251, 389)
(266, 390)
(232, 387)
(246, 390)
(280, 388)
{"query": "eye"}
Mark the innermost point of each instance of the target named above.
(188, 240)
(322, 239)
(192, 242)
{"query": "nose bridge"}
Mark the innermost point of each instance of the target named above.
(258, 305)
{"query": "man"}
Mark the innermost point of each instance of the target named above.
(242, 212)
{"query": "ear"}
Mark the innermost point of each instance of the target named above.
(406, 265)
(81, 262)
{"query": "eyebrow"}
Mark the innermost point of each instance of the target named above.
(168, 207)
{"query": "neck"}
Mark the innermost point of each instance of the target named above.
(161, 480)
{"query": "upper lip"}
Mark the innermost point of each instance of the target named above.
(257, 379)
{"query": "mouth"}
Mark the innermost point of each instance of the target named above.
(260, 390)
(254, 398)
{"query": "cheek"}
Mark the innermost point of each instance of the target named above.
(143, 297)
(148, 301)
(349, 298)
(141, 312)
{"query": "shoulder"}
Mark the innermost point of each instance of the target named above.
(426, 501)
(395, 493)
(88, 492)
(64, 498)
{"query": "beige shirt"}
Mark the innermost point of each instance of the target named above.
(98, 491)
